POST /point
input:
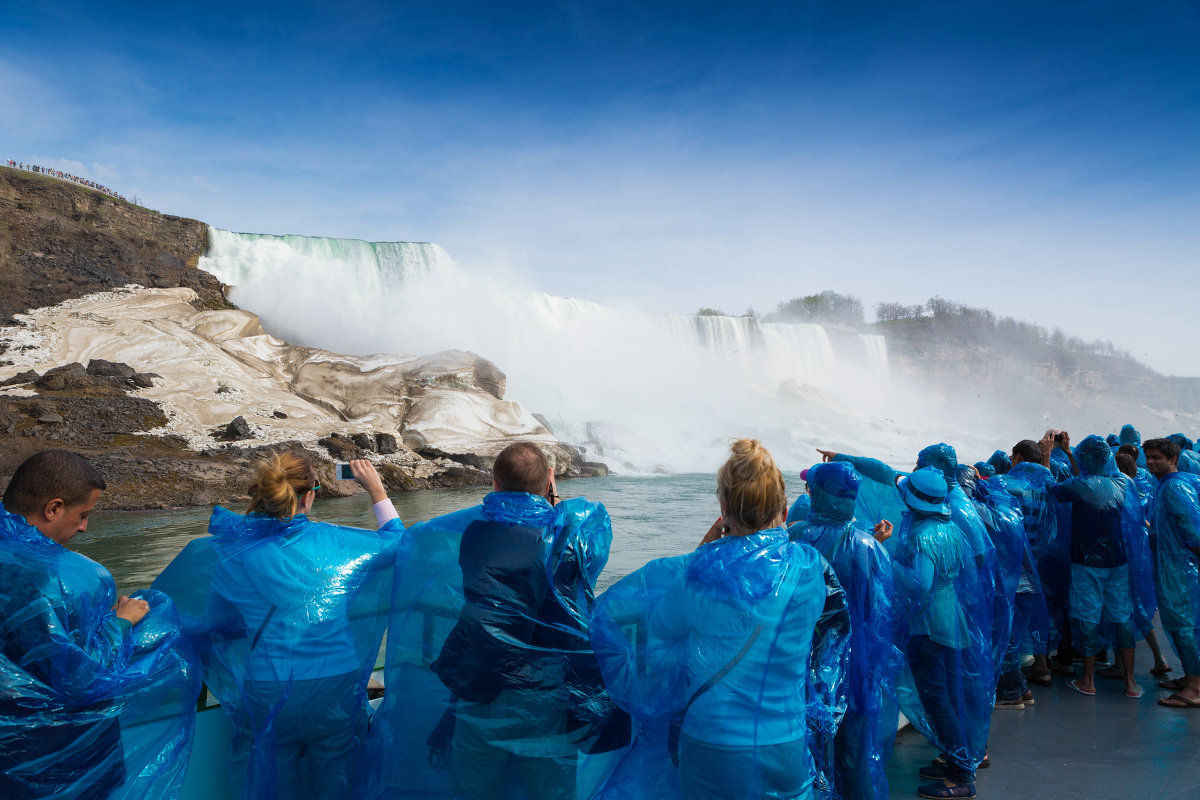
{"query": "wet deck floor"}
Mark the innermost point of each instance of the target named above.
(1070, 747)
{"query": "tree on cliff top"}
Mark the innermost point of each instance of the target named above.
(828, 307)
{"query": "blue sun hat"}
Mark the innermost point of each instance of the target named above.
(925, 491)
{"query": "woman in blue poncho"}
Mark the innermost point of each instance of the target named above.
(290, 616)
(740, 648)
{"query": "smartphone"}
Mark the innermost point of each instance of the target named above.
(343, 473)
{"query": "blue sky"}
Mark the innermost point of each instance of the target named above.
(1038, 159)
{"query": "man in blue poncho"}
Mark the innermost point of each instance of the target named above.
(1175, 520)
(492, 687)
(864, 569)
(77, 658)
(1109, 559)
(942, 623)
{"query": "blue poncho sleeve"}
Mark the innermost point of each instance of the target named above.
(877, 498)
(89, 706)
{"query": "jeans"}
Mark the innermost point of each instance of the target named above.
(1186, 647)
(523, 728)
(721, 772)
(317, 732)
(938, 674)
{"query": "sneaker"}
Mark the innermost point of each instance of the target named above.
(1027, 698)
(1013, 705)
(939, 791)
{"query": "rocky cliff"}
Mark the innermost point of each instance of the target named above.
(113, 344)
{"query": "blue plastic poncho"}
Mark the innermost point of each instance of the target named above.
(289, 617)
(864, 569)
(799, 510)
(770, 614)
(89, 707)
(1176, 523)
(985, 470)
(491, 682)
(1046, 561)
(943, 624)
(1130, 435)
(881, 488)
(1000, 462)
(1189, 460)
(1112, 441)
(1107, 528)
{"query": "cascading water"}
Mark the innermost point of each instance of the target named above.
(651, 391)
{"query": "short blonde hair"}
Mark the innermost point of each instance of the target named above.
(751, 485)
(279, 483)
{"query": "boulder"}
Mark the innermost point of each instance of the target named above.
(28, 376)
(237, 430)
(100, 368)
(341, 448)
(386, 444)
(363, 441)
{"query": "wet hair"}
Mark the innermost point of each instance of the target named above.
(279, 483)
(1130, 450)
(751, 486)
(522, 467)
(51, 474)
(1028, 450)
(1165, 446)
(1126, 464)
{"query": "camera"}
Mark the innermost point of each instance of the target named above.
(1058, 438)
(343, 473)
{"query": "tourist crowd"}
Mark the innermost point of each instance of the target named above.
(66, 176)
(772, 661)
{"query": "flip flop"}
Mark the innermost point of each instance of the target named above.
(1075, 688)
(1163, 670)
(1112, 672)
(1173, 686)
(1040, 678)
(1178, 701)
(1141, 691)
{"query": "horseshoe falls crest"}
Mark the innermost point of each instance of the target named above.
(644, 392)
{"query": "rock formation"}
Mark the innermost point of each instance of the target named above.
(113, 344)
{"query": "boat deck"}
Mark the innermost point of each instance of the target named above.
(1070, 747)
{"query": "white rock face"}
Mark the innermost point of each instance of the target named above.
(217, 365)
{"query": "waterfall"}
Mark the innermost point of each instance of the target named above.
(652, 391)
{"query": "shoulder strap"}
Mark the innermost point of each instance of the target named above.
(720, 674)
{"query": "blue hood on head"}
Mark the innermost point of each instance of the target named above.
(966, 479)
(834, 488)
(1130, 435)
(1000, 462)
(1095, 457)
(1184, 442)
(943, 457)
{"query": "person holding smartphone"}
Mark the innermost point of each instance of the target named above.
(290, 614)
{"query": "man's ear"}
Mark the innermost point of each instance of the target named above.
(54, 509)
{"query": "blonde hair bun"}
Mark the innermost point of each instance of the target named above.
(751, 485)
(280, 482)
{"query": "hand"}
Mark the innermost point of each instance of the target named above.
(1065, 443)
(717, 530)
(883, 531)
(131, 609)
(1047, 443)
(827, 455)
(368, 477)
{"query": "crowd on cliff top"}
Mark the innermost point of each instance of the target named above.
(770, 662)
(66, 176)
